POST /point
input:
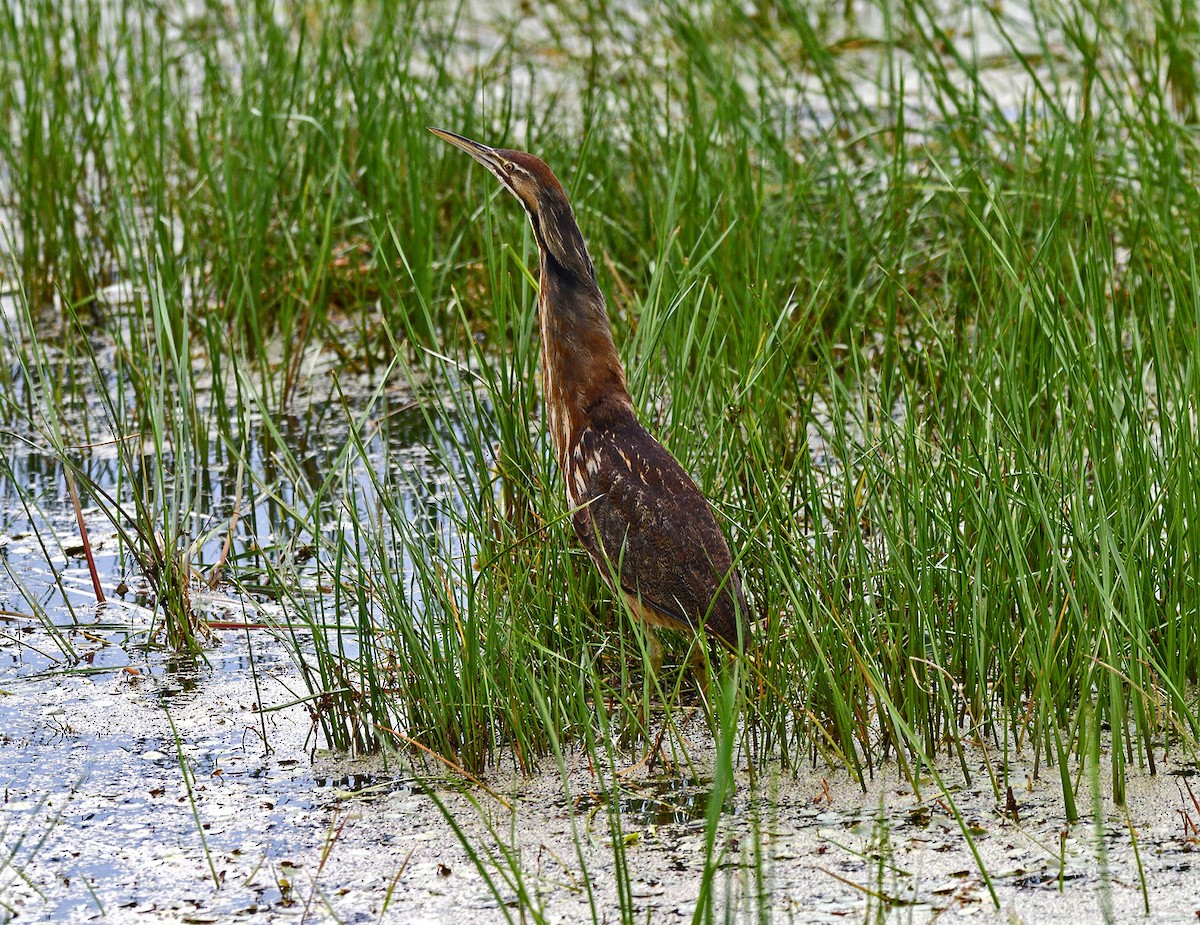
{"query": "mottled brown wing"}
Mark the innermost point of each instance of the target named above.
(642, 513)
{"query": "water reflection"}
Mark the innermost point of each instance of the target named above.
(658, 802)
(271, 498)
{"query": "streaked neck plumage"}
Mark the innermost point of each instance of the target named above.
(581, 372)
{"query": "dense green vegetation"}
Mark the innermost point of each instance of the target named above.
(921, 321)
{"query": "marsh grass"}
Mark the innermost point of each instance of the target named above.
(928, 344)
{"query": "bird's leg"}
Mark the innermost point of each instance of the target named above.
(699, 666)
(654, 655)
(655, 651)
(641, 722)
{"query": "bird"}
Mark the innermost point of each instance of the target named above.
(642, 519)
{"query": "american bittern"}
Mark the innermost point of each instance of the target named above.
(640, 516)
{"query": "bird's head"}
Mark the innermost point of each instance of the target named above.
(537, 189)
(525, 176)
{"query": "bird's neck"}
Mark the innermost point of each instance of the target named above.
(581, 372)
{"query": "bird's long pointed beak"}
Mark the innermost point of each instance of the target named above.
(482, 153)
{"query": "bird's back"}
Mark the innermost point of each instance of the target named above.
(650, 529)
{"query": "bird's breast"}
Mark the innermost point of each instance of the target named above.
(556, 418)
(580, 471)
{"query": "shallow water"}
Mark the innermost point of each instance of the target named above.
(98, 821)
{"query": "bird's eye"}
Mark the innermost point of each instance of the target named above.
(510, 166)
